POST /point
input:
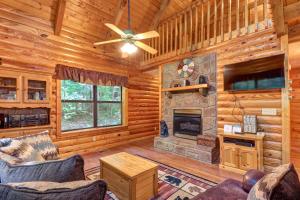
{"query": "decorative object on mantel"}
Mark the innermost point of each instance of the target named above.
(164, 129)
(90, 77)
(202, 79)
(186, 82)
(250, 123)
(185, 68)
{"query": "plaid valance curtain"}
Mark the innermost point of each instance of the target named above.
(64, 72)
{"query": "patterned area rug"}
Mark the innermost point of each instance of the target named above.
(173, 184)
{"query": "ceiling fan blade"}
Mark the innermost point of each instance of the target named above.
(145, 47)
(147, 35)
(107, 42)
(115, 29)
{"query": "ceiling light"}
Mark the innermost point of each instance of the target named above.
(128, 48)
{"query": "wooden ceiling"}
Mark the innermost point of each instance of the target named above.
(83, 20)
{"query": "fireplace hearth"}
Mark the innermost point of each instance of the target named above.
(187, 123)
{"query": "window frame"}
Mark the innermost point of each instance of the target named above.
(95, 102)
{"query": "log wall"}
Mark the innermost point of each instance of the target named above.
(27, 44)
(232, 106)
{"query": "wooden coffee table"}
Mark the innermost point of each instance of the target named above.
(129, 177)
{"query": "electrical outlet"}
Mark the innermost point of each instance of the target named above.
(269, 111)
(94, 138)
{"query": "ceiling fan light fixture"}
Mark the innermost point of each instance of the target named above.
(128, 48)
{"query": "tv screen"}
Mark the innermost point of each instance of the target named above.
(260, 74)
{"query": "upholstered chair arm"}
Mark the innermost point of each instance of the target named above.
(251, 178)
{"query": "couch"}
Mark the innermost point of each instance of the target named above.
(31, 169)
(281, 184)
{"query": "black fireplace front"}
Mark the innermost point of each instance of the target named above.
(187, 124)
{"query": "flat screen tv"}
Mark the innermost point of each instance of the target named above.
(260, 74)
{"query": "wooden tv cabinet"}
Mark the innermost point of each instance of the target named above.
(236, 157)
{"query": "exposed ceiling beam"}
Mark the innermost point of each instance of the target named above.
(163, 6)
(278, 13)
(118, 16)
(61, 7)
(292, 12)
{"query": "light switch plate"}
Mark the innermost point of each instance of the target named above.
(269, 111)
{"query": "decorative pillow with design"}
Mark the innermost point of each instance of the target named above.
(282, 183)
(42, 143)
(5, 141)
(10, 159)
(84, 190)
(21, 150)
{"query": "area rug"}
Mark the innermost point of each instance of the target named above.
(173, 184)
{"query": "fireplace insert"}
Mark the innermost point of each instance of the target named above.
(187, 124)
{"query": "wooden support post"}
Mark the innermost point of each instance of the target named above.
(215, 21)
(176, 35)
(185, 33)
(286, 147)
(202, 24)
(208, 22)
(246, 17)
(238, 17)
(266, 13)
(191, 31)
(255, 15)
(222, 20)
(196, 27)
(229, 19)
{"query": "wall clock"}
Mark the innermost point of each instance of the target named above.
(186, 68)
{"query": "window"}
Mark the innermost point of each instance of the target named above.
(90, 106)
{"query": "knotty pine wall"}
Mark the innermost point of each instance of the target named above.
(256, 45)
(142, 120)
(27, 44)
(295, 103)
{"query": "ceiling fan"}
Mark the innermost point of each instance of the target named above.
(132, 40)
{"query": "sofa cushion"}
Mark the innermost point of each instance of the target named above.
(42, 143)
(21, 150)
(83, 190)
(227, 190)
(70, 169)
(251, 178)
(282, 183)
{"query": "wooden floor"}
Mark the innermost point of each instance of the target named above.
(145, 148)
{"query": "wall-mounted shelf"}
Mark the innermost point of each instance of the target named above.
(185, 88)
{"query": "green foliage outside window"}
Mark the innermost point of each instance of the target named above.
(81, 108)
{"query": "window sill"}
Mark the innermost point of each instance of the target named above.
(91, 131)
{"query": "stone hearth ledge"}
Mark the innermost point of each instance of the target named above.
(187, 148)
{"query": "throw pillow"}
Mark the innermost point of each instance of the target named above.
(10, 159)
(5, 141)
(22, 151)
(83, 190)
(268, 187)
(70, 169)
(42, 143)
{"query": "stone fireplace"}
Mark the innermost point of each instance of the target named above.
(187, 123)
(190, 116)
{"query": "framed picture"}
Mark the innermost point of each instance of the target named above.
(237, 128)
(227, 128)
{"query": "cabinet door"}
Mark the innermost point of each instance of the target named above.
(230, 156)
(247, 159)
(36, 89)
(9, 87)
